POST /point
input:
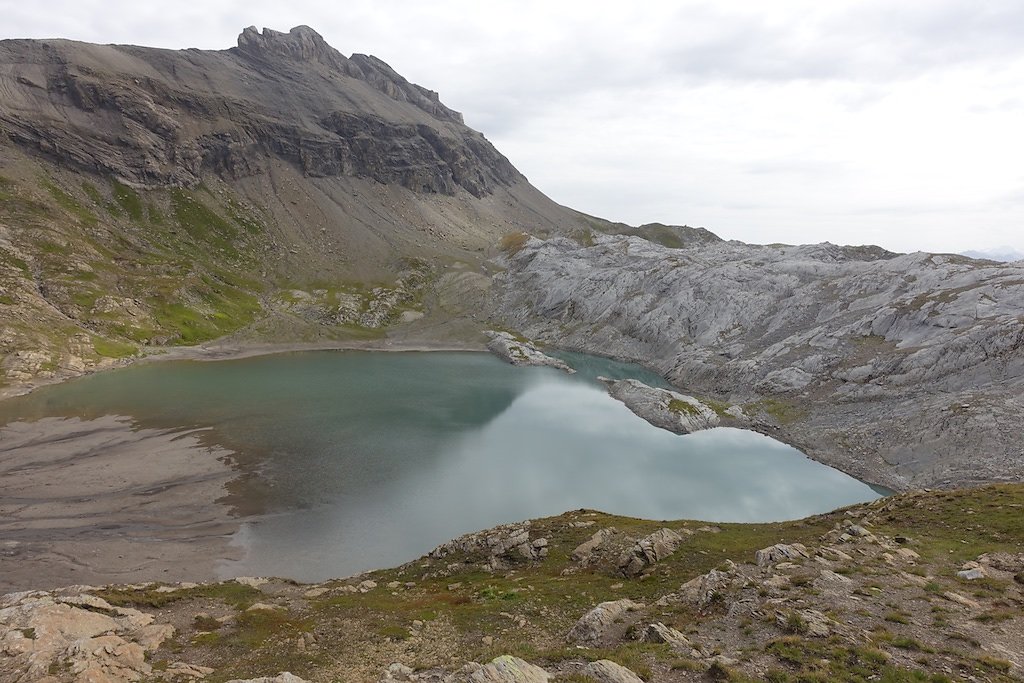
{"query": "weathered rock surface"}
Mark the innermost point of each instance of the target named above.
(663, 408)
(521, 352)
(706, 589)
(75, 632)
(900, 369)
(649, 550)
(807, 622)
(594, 625)
(584, 550)
(660, 633)
(498, 546)
(780, 552)
(503, 669)
(607, 671)
(283, 677)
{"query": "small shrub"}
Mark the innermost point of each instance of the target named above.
(513, 243)
(204, 622)
(795, 623)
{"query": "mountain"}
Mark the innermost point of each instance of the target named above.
(155, 197)
(1003, 253)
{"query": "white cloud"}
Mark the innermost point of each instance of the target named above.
(797, 121)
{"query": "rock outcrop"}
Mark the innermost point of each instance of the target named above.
(663, 408)
(521, 352)
(74, 631)
(649, 550)
(780, 552)
(499, 546)
(593, 626)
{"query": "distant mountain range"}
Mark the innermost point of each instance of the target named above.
(1003, 253)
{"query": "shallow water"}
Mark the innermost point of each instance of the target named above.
(372, 459)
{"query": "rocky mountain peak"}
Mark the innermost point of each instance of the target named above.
(304, 44)
(301, 43)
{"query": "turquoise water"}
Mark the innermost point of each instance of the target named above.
(364, 460)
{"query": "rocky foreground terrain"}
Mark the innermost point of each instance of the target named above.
(925, 586)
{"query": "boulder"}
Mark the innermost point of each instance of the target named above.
(77, 632)
(606, 671)
(501, 545)
(503, 669)
(660, 633)
(592, 626)
(972, 574)
(283, 677)
(649, 550)
(810, 622)
(584, 550)
(705, 589)
(780, 552)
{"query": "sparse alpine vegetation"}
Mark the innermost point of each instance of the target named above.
(874, 592)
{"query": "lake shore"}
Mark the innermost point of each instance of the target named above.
(221, 350)
(102, 501)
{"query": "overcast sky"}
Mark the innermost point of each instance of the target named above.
(869, 121)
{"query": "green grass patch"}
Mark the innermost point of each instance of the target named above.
(201, 222)
(783, 412)
(681, 407)
(109, 348)
(944, 534)
(230, 593)
(129, 201)
(70, 205)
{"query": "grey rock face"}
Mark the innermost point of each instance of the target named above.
(662, 408)
(703, 590)
(900, 369)
(807, 621)
(153, 117)
(506, 669)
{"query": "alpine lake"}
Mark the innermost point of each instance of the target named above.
(357, 460)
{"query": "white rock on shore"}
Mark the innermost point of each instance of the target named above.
(521, 352)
